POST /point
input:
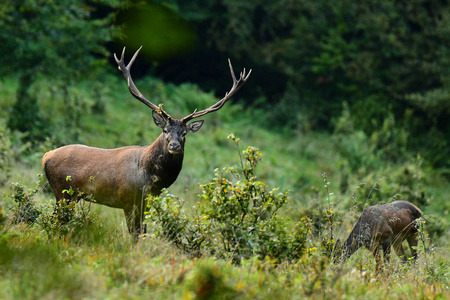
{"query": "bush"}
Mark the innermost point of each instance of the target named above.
(235, 219)
(64, 219)
(26, 209)
(165, 213)
(70, 219)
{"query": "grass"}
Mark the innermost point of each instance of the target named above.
(115, 268)
(103, 263)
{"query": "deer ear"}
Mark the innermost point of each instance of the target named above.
(159, 120)
(194, 126)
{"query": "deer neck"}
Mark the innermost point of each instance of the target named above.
(349, 247)
(353, 242)
(161, 166)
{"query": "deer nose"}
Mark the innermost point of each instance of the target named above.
(174, 147)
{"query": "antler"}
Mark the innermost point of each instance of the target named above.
(237, 84)
(131, 86)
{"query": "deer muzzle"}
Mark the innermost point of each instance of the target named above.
(174, 147)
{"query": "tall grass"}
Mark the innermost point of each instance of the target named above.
(35, 267)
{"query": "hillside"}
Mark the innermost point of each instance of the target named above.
(102, 262)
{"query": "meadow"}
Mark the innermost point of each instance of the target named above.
(331, 177)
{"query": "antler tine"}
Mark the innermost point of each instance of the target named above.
(237, 85)
(233, 76)
(131, 86)
(134, 57)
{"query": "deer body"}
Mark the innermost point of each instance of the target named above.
(122, 177)
(382, 226)
(129, 172)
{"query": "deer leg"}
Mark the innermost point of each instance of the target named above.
(135, 217)
(377, 255)
(386, 250)
(400, 251)
(130, 217)
(142, 228)
(412, 242)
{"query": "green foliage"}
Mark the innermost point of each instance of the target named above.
(385, 58)
(439, 273)
(168, 220)
(234, 219)
(390, 140)
(6, 154)
(80, 99)
(75, 108)
(434, 227)
(89, 263)
(71, 219)
(53, 41)
(90, 260)
(26, 209)
(179, 100)
(387, 143)
(26, 116)
(64, 219)
(208, 282)
(404, 182)
(242, 214)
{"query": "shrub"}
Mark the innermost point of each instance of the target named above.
(70, 219)
(236, 217)
(66, 218)
(26, 209)
(165, 213)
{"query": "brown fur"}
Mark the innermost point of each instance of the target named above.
(383, 226)
(121, 177)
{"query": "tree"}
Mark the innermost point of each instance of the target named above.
(380, 57)
(60, 40)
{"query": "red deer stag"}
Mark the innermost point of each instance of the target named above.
(383, 226)
(122, 177)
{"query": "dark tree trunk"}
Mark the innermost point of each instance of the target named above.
(25, 115)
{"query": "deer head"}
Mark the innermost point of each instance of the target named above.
(175, 130)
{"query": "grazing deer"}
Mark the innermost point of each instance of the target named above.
(383, 226)
(122, 177)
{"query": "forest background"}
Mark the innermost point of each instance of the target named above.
(348, 102)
